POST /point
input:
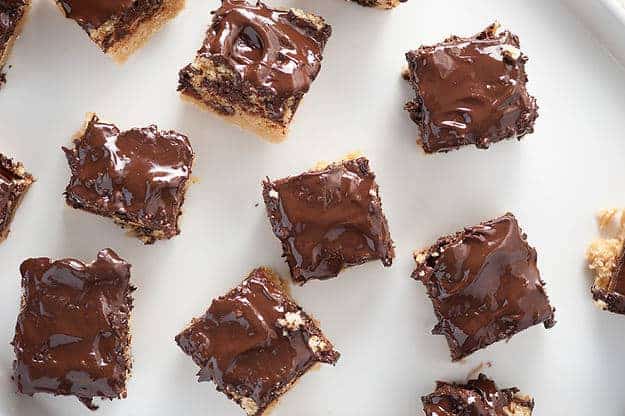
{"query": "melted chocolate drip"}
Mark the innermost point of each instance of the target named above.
(138, 176)
(243, 345)
(329, 219)
(272, 49)
(484, 285)
(470, 91)
(71, 336)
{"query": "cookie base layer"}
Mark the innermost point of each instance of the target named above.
(122, 49)
(267, 129)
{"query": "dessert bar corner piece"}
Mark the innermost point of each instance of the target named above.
(255, 65)
(380, 4)
(606, 259)
(14, 183)
(470, 91)
(328, 219)
(72, 333)
(12, 16)
(137, 177)
(477, 397)
(484, 285)
(255, 342)
(120, 27)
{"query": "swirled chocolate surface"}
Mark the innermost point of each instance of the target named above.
(484, 285)
(254, 342)
(329, 219)
(138, 177)
(478, 397)
(470, 91)
(71, 336)
(272, 49)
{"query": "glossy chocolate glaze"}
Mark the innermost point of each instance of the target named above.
(478, 397)
(108, 21)
(270, 48)
(14, 182)
(329, 219)
(94, 13)
(11, 12)
(484, 285)
(470, 91)
(138, 177)
(71, 336)
(614, 294)
(245, 346)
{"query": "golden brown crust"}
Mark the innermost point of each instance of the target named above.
(122, 49)
(268, 130)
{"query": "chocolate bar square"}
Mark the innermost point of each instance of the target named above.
(120, 27)
(255, 65)
(470, 91)
(14, 183)
(328, 219)
(137, 177)
(12, 16)
(484, 285)
(380, 4)
(72, 335)
(255, 342)
(479, 397)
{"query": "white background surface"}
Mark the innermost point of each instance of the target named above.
(554, 181)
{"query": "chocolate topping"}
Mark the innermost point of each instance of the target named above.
(138, 177)
(14, 182)
(484, 285)
(614, 294)
(270, 48)
(94, 13)
(470, 91)
(479, 397)
(109, 21)
(254, 342)
(71, 336)
(329, 219)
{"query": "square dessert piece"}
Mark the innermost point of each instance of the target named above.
(138, 177)
(72, 336)
(606, 259)
(479, 397)
(120, 27)
(470, 91)
(484, 285)
(380, 4)
(12, 16)
(255, 342)
(255, 65)
(14, 183)
(328, 219)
